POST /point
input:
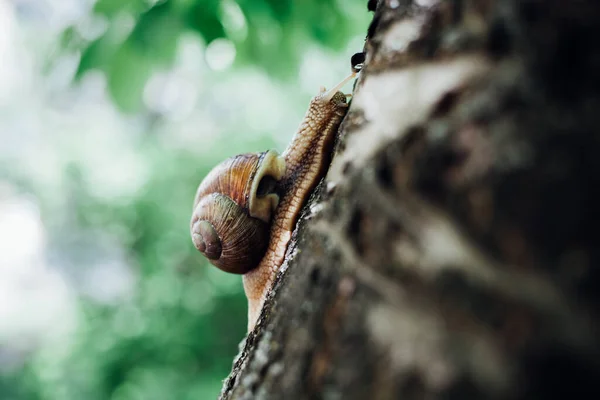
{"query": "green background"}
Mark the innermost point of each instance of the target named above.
(116, 113)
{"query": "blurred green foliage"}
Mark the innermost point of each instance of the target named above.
(269, 33)
(177, 335)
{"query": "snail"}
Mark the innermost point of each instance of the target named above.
(246, 208)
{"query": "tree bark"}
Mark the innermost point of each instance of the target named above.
(452, 249)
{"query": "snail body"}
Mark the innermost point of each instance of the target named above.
(246, 208)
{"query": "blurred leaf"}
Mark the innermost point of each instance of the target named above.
(327, 21)
(156, 33)
(127, 75)
(99, 54)
(111, 8)
(203, 16)
(130, 62)
(277, 33)
(282, 9)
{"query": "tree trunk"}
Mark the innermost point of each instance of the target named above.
(452, 249)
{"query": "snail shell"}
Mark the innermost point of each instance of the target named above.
(233, 209)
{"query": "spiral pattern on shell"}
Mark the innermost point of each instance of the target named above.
(233, 208)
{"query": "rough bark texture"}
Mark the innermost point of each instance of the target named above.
(452, 250)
